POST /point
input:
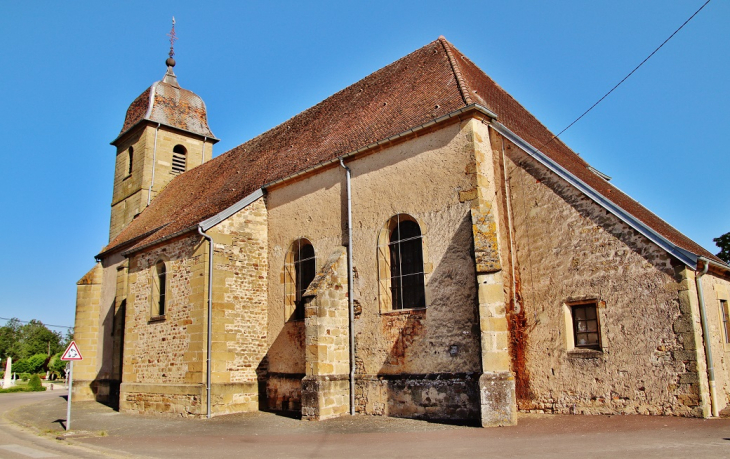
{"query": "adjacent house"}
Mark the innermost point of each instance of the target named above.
(416, 245)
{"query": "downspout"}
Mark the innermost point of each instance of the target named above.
(210, 318)
(351, 312)
(706, 333)
(202, 153)
(154, 166)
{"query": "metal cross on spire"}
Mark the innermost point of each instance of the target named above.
(173, 38)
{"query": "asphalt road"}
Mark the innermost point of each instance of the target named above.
(105, 432)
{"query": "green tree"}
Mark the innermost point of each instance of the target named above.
(10, 340)
(36, 339)
(23, 341)
(33, 364)
(35, 383)
(724, 243)
(57, 365)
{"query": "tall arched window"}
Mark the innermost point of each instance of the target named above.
(130, 160)
(300, 268)
(179, 159)
(159, 289)
(401, 264)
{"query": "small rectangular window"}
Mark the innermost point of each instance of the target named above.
(725, 313)
(586, 332)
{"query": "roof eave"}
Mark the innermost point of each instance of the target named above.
(211, 138)
(207, 224)
(469, 108)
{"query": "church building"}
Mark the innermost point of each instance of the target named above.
(416, 245)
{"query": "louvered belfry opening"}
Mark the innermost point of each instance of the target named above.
(179, 158)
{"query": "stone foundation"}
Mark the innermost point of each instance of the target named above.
(104, 391)
(325, 397)
(497, 397)
(284, 392)
(180, 400)
(442, 396)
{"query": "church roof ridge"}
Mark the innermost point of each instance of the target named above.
(457, 71)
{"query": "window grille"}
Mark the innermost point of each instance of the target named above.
(179, 158)
(406, 265)
(585, 326)
(725, 313)
(159, 286)
(302, 270)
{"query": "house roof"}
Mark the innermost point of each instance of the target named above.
(165, 102)
(427, 84)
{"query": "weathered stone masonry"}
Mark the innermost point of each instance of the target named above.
(568, 248)
(164, 358)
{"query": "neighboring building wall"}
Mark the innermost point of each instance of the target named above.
(568, 248)
(716, 288)
(164, 358)
(413, 363)
(240, 307)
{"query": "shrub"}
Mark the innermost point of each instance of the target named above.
(35, 383)
(24, 376)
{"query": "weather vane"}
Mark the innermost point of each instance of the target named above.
(173, 38)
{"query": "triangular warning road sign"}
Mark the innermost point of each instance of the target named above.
(72, 352)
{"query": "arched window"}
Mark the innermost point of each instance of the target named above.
(401, 265)
(130, 160)
(300, 268)
(179, 159)
(159, 289)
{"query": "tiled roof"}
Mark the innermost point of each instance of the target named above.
(428, 83)
(165, 102)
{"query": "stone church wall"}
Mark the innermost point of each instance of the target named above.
(567, 249)
(239, 309)
(164, 357)
(412, 363)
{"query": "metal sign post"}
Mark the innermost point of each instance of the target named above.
(68, 405)
(72, 353)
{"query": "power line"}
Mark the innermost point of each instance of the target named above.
(27, 322)
(626, 77)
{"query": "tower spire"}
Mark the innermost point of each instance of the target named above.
(173, 38)
(170, 75)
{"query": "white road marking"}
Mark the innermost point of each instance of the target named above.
(25, 451)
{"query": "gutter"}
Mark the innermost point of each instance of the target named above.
(685, 256)
(350, 300)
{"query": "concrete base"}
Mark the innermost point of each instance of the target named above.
(498, 401)
(325, 397)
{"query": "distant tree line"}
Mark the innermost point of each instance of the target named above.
(724, 243)
(33, 347)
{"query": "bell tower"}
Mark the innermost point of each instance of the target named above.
(165, 133)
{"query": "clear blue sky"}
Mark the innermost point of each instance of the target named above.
(70, 70)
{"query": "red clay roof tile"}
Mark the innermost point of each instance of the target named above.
(426, 84)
